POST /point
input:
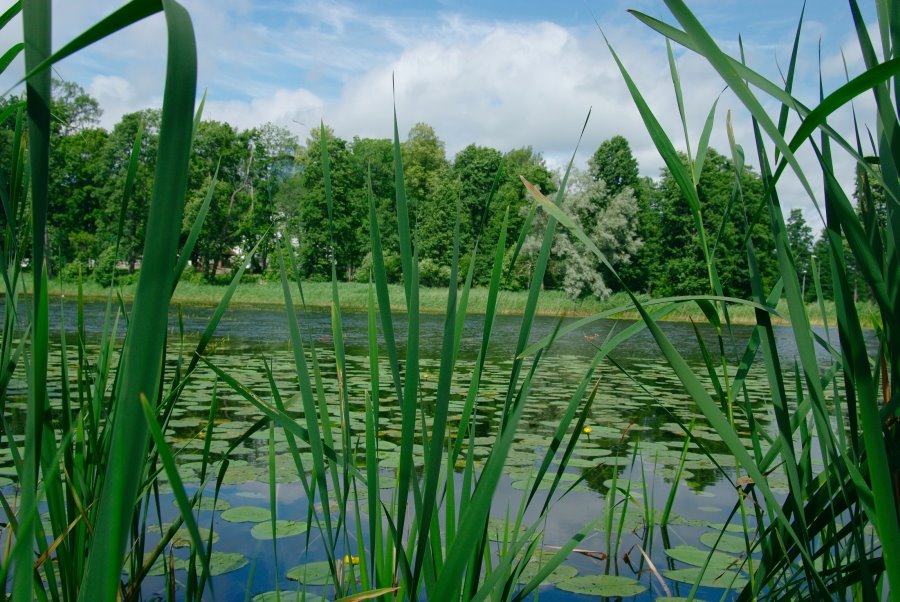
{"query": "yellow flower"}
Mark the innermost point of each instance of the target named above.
(586, 430)
(351, 559)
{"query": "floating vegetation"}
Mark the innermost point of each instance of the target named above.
(283, 528)
(311, 573)
(733, 544)
(602, 585)
(246, 514)
(710, 578)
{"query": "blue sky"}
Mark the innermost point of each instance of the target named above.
(499, 73)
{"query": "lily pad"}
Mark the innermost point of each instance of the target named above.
(712, 578)
(728, 543)
(602, 585)
(311, 573)
(563, 572)
(501, 530)
(731, 528)
(160, 566)
(697, 557)
(225, 562)
(287, 596)
(283, 528)
(182, 537)
(246, 514)
(219, 563)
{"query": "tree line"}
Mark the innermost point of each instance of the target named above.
(269, 184)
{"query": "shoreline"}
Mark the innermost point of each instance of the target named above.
(354, 297)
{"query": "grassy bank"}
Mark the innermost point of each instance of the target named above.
(354, 297)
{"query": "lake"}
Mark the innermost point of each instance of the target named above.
(634, 438)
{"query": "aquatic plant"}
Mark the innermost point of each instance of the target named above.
(814, 543)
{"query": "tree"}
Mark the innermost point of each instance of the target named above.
(77, 176)
(72, 108)
(800, 239)
(271, 159)
(216, 146)
(614, 163)
(116, 157)
(476, 169)
(510, 199)
(609, 221)
(316, 253)
(423, 156)
(725, 209)
(374, 161)
(437, 218)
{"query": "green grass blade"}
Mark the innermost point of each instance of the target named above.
(145, 344)
(184, 505)
(441, 410)
(36, 26)
(8, 57)
(406, 249)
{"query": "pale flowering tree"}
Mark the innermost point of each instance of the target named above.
(609, 221)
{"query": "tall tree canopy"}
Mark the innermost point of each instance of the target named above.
(681, 267)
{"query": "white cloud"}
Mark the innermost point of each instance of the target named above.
(297, 110)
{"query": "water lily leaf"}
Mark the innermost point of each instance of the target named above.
(593, 452)
(219, 563)
(728, 543)
(287, 596)
(602, 585)
(182, 538)
(246, 514)
(237, 475)
(727, 527)
(563, 572)
(311, 573)
(283, 528)
(712, 578)
(161, 565)
(225, 562)
(501, 530)
(697, 557)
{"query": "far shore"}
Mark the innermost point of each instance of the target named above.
(354, 297)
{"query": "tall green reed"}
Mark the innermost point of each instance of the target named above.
(431, 537)
(90, 461)
(814, 542)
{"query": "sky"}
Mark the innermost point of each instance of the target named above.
(503, 73)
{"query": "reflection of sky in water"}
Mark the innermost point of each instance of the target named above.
(623, 416)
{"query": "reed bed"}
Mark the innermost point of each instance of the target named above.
(95, 465)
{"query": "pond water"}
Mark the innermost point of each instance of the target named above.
(633, 439)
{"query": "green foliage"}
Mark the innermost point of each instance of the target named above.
(800, 239)
(609, 221)
(681, 267)
(615, 165)
(106, 269)
(315, 254)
